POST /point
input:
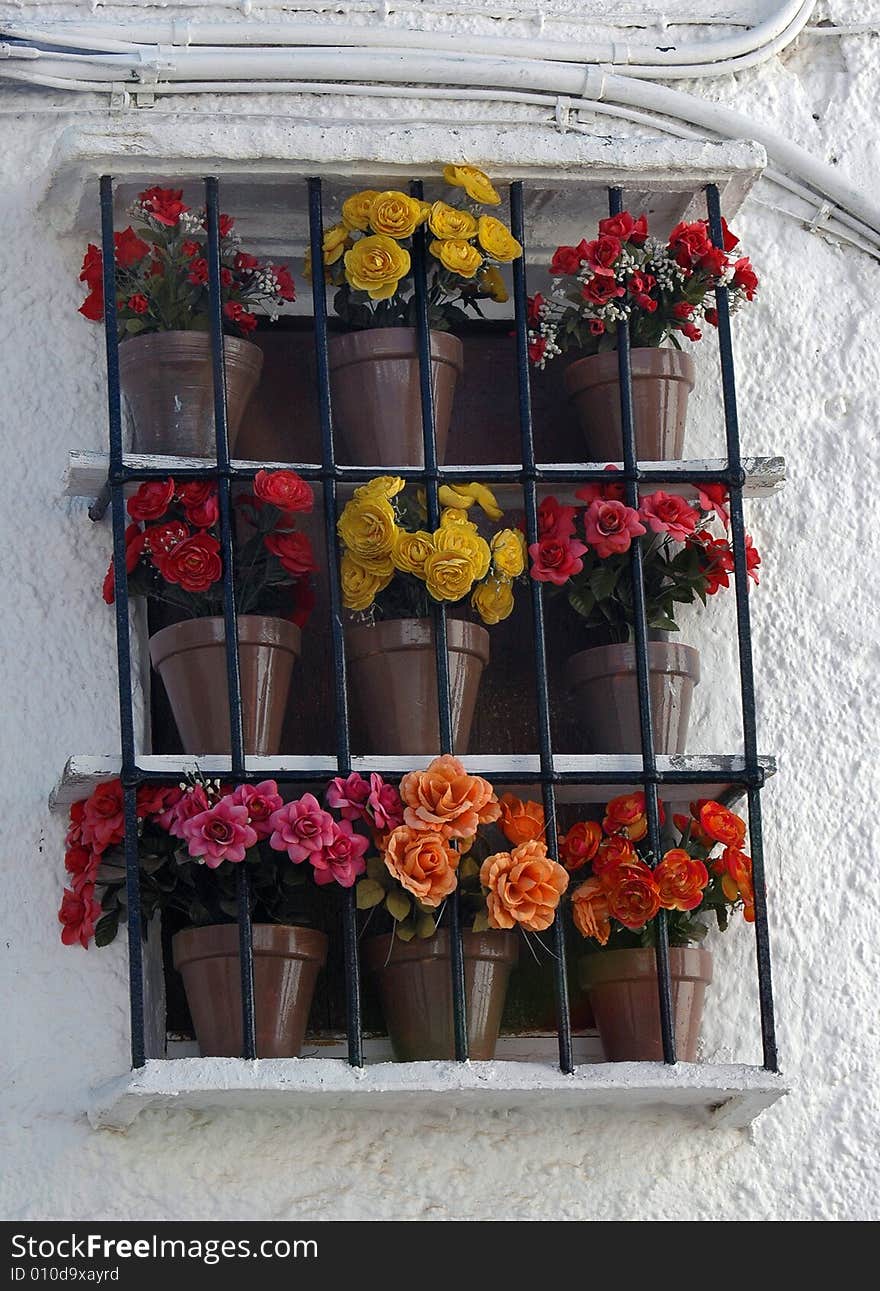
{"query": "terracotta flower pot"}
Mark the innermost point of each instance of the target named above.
(376, 393)
(393, 682)
(415, 986)
(167, 384)
(624, 995)
(604, 691)
(661, 382)
(190, 658)
(286, 965)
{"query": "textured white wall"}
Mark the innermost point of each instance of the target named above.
(809, 372)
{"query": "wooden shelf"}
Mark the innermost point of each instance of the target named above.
(87, 472)
(84, 771)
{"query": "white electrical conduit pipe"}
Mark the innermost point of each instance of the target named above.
(742, 49)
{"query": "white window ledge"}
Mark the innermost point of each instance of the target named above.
(728, 1096)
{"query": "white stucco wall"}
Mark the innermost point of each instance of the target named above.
(808, 373)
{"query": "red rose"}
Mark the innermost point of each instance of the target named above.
(537, 348)
(81, 863)
(164, 204)
(225, 224)
(610, 527)
(688, 242)
(92, 272)
(198, 271)
(682, 310)
(745, 277)
(303, 602)
(555, 560)
(730, 240)
(718, 561)
(579, 845)
(226, 277)
(603, 492)
(713, 261)
(152, 500)
(237, 314)
(130, 249)
(134, 546)
(79, 914)
(666, 513)
(602, 254)
(194, 563)
(138, 304)
(533, 312)
(567, 260)
(160, 538)
(200, 504)
(597, 327)
(691, 332)
(93, 305)
(554, 520)
(598, 291)
(283, 489)
(156, 269)
(293, 550)
(104, 817)
(190, 248)
(244, 261)
(284, 283)
(753, 559)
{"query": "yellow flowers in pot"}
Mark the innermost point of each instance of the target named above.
(391, 562)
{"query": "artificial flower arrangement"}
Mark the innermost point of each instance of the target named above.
(367, 254)
(661, 290)
(393, 567)
(162, 272)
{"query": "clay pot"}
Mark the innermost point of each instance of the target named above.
(415, 986)
(376, 393)
(393, 682)
(286, 965)
(661, 382)
(168, 389)
(604, 691)
(625, 998)
(190, 658)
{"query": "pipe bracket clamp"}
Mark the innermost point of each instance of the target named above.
(563, 114)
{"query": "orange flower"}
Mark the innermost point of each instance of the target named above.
(423, 862)
(524, 886)
(697, 834)
(446, 798)
(722, 825)
(737, 880)
(616, 850)
(626, 815)
(578, 846)
(681, 880)
(633, 895)
(589, 909)
(521, 822)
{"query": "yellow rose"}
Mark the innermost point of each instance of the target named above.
(336, 241)
(376, 265)
(455, 515)
(486, 499)
(449, 222)
(356, 210)
(367, 527)
(477, 185)
(493, 600)
(457, 496)
(457, 256)
(360, 584)
(383, 486)
(497, 240)
(395, 214)
(493, 285)
(411, 550)
(509, 552)
(464, 538)
(449, 575)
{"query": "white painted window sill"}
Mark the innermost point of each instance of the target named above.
(728, 1096)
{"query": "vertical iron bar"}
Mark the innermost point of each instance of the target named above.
(743, 621)
(230, 617)
(649, 761)
(530, 500)
(439, 609)
(343, 748)
(123, 634)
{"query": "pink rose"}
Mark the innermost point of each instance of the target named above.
(554, 560)
(602, 492)
(192, 802)
(666, 513)
(383, 805)
(348, 796)
(554, 520)
(81, 864)
(78, 915)
(610, 527)
(222, 833)
(302, 828)
(261, 800)
(104, 817)
(342, 859)
(714, 497)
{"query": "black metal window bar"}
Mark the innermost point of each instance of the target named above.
(330, 475)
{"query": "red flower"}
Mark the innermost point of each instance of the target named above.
(261, 801)
(134, 546)
(129, 248)
(616, 850)
(555, 520)
(730, 240)
(736, 882)
(93, 305)
(225, 225)
(78, 915)
(200, 504)
(579, 845)
(688, 242)
(74, 833)
(194, 563)
(283, 489)
(596, 326)
(554, 560)
(303, 602)
(81, 864)
(666, 513)
(138, 304)
(159, 539)
(536, 347)
(722, 825)
(284, 283)
(152, 500)
(718, 561)
(610, 527)
(714, 497)
(598, 291)
(92, 272)
(691, 332)
(624, 227)
(632, 892)
(745, 277)
(567, 260)
(198, 271)
(713, 262)
(156, 269)
(226, 277)
(681, 880)
(164, 204)
(602, 254)
(753, 559)
(602, 492)
(237, 314)
(711, 317)
(533, 309)
(190, 248)
(104, 816)
(293, 550)
(246, 262)
(682, 310)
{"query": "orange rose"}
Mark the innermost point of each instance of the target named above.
(737, 880)
(633, 895)
(696, 835)
(589, 908)
(722, 825)
(627, 815)
(524, 885)
(423, 862)
(681, 880)
(445, 798)
(579, 845)
(521, 821)
(616, 850)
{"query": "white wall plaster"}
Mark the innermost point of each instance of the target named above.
(808, 373)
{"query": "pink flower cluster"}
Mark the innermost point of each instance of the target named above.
(373, 801)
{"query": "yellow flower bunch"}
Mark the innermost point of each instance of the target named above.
(455, 561)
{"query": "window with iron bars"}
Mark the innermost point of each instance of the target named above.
(552, 771)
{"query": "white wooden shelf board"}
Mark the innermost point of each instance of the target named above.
(729, 1096)
(83, 771)
(765, 476)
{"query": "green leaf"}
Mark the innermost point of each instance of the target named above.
(582, 601)
(377, 869)
(369, 893)
(398, 905)
(468, 869)
(603, 580)
(406, 931)
(662, 623)
(481, 922)
(425, 926)
(106, 928)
